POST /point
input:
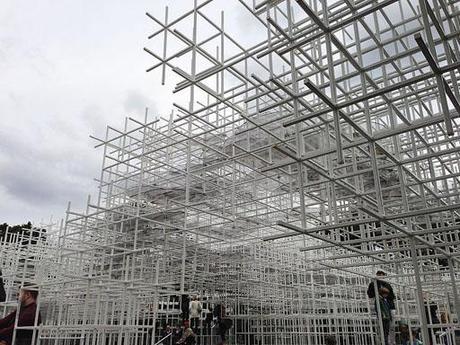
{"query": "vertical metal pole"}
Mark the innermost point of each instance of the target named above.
(454, 287)
(439, 79)
(420, 303)
(379, 312)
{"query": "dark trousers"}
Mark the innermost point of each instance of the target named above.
(386, 329)
(221, 330)
(207, 333)
(195, 323)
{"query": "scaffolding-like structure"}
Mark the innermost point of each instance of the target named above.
(299, 159)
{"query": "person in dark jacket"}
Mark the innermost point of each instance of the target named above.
(176, 333)
(27, 314)
(185, 307)
(386, 300)
(223, 323)
(382, 284)
(2, 288)
(166, 334)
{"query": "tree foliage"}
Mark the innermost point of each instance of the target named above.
(7, 232)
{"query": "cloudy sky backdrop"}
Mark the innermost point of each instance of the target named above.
(67, 69)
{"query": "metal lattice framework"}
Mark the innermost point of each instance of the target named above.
(289, 171)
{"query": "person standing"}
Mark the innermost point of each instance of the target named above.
(386, 299)
(27, 315)
(223, 323)
(195, 312)
(2, 288)
(176, 333)
(185, 306)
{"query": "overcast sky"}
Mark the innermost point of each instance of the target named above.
(67, 69)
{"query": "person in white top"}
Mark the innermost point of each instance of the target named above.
(195, 312)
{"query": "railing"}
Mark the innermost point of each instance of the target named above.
(161, 340)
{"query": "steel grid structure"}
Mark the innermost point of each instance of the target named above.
(289, 171)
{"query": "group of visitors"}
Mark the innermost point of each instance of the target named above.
(386, 311)
(192, 327)
(178, 335)
(379, 289)
(27, 297)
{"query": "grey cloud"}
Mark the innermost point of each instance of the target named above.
(14, 49)
(94, 119)
(45, 175)
(57, 87)
(5, 44)
(15, 99)
(136, 102)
